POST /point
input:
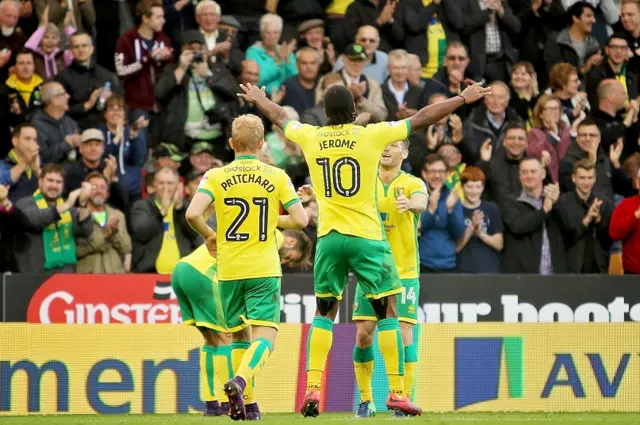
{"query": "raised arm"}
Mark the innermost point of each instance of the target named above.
(271, 110)
(431, 114)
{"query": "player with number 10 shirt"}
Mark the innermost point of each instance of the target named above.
(343, 162)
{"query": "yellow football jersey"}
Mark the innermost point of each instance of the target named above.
(247, 195)
(343, 163)
(200, 259)
(401, 228)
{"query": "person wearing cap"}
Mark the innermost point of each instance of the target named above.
(197, 98)
(277, 61)
(366, 91)
(91, 159)
(296, 12)
(166, 155)
(377, 60)
(202, 158)
(312, 34)
(220, 45)
(230, 25)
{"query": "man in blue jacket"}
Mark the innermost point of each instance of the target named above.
(442, 223)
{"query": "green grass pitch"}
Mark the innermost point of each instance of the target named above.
(337, 418)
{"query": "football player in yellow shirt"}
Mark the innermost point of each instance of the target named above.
(247, 195)
(343, 163)
(401, 199)
(195, 283)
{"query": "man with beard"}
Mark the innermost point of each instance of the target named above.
(103, 251)
(51, 224)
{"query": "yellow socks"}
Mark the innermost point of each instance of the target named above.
(410, 363)
(254, 359)
(238, 348)
(318, 347)
(390, 343)
(223, 367)
(363, 364)
(207, 376)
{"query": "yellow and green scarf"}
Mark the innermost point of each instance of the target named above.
(14, 157)
(169, 254)
(57, 238)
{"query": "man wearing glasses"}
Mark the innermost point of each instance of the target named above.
(442, 223)
(453, 77)
(615, 66)
(58, 134)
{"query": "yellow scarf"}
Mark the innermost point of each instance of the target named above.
(24, 89)
(169, 254)
(58, 240)
(13, 155)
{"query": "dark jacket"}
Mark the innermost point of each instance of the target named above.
(571, 210)
(80, 81)
(438, 234)
(559, 49)
(523, 237)
(611, 128)
(130, 154)
(28, 248)
(8, 119)
(76, 172)
(603, 72)
(301, 10)
(174, 99)
(411, 21)
(363, 12)
(474, 35)
(439, 83)
(25, 186)
(147, 233)
(51, 135)
(412, 98)
(608, 178)
(477, 129)
(502, 176)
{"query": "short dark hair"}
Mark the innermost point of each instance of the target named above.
(79, 33)
(339, 106)
(432, 158)
(144, 8)
(25, 51)
(588, 122)
(96, 175)
(577, 9)
(52, 167)
(18, 130)
(514, 125)
(619, 36)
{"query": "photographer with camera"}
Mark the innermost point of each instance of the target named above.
(196, 97)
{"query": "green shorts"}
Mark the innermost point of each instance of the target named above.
(251, 302)
(407, 303)
(370, 261)
(198, 296)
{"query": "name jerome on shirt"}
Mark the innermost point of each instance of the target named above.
(338, 143)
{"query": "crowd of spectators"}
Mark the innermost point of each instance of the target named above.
(112, 110)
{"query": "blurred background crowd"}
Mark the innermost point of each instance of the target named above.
(112, 110)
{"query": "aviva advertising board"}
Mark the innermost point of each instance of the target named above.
(462, 367)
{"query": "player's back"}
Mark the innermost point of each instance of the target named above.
(343, 164)
(200, 259)
(247, 195)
